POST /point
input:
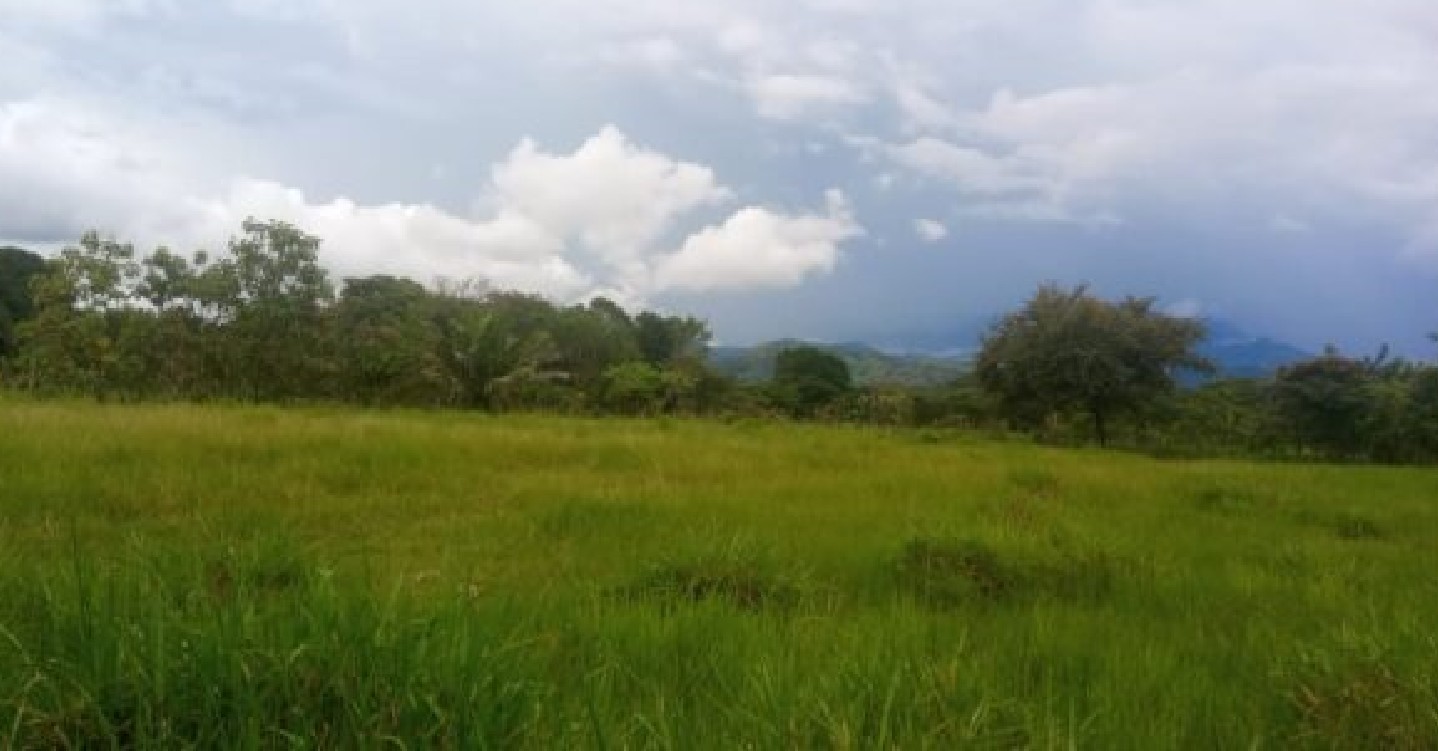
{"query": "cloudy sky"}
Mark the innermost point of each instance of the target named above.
(839, 169)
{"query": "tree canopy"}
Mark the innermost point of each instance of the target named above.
(17, 268)
(261, 321)
(1067, 351)
(807, 379)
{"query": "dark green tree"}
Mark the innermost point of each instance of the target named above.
(17, 268)
(1068, 352)
(83, 303)
(664, 340)
(1324, 401)
(388, 344)
(807, 379)
(1422, 414)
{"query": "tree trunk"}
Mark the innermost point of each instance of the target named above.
(1100, 427)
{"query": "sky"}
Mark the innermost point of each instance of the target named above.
(877, 170)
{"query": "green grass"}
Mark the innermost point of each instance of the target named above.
(260, 578)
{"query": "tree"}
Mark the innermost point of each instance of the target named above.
(665, 340)
(1226, 416)
(1325, 402)
(83, 300)
(634, 388)
(275, 313)
(807, 379)
(1422, 413)
(388, 344)
(1068, 352)
(590, 340)
(17, 268)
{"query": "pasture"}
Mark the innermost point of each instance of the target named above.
(205, 576)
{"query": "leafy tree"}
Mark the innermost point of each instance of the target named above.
(1068, 352)
(277, 294)
(1324, 402)
(388, 344)
(634, 388)
(261, 321)
(1422, 414)
(81, 304)
(17, 268)
(665, 340)
(807, 379)
(1227, 416)
(591, 339)
(529, 388)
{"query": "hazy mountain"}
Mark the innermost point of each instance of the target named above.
(1239, 354)
(925, 359)
(868, 364)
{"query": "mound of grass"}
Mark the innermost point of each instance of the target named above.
(271, 566)
(948, 573)
(1223, 498)
(1345, 525)
(1364, 705)
(1036, 482)
(734, 575)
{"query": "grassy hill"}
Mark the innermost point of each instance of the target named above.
(227, 577)
(867, 364)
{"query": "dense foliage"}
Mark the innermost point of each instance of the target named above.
(807, 379)
(263, 321)
(1069, 352)
(17, 268)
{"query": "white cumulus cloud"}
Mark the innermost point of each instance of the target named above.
(930, 231)
(567, 225)
(610, 198)
(757, 247)
(792, 97)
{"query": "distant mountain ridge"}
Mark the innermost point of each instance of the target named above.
(868, 364)
(934, 359)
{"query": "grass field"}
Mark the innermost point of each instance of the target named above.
(251, 577)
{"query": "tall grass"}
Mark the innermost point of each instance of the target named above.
(254, 578)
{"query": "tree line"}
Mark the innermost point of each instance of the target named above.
(1073, 367)
(263, 321)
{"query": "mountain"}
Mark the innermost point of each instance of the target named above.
(1239, 354)
(868, 364)
(937, 358)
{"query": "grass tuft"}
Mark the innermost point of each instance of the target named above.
(1365, 706)
(947, 573)
(1345, 525)
(734, 575)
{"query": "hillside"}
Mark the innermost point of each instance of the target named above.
(1240, 354)
(867, 364)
